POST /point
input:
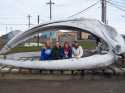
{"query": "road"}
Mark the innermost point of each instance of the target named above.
(63, 86)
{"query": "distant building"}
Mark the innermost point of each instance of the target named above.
(65, 35)
(61, 35)
(51, 35)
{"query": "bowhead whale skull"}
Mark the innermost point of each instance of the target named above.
(114, 41)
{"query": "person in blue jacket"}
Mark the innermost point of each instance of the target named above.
(46, 53)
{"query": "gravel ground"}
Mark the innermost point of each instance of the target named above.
(63, 86)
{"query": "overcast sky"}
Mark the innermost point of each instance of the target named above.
(16, 11)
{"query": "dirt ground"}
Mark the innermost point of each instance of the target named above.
(62, 86)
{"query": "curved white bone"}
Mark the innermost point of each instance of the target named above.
(95, 61)
(108, 34)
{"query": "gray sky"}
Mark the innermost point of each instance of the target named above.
(16, 11)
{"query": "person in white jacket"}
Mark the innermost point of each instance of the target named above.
(77, 50)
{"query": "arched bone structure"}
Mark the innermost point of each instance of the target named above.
(115, 43)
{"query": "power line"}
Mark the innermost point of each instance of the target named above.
(116, 6)
(118, 2)
(17, 24)
(16, 18)
(84, 10)
(10, 17)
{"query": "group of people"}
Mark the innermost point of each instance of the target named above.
(61, 52)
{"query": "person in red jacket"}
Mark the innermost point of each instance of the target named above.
(66, 51)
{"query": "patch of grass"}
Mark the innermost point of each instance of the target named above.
(24, 49)
(86, 44)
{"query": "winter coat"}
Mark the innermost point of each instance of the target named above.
(56, 53)
(77, 52)
(46, 54)
(69, 55)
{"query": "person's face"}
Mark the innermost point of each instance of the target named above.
(57, 44)
(66, 45)
(47, 44)
(76, 44)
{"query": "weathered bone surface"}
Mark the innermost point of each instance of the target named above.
(115, 43)
(94, 61)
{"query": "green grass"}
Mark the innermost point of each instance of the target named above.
(86, 44)
(24, 49)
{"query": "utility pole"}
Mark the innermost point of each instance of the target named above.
(50, 3)
(29, 20)
(6, 28)
(104, 11)
(38, 21)
(29, 24)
